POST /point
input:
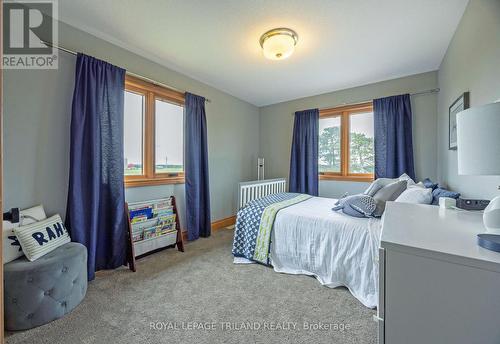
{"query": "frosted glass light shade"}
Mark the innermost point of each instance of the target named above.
(278, 47)
(278, 44)
(478, 140)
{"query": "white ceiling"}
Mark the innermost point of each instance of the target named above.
(342, 43)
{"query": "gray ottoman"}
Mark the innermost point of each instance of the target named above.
(38, 292)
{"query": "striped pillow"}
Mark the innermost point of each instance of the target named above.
(39, 238)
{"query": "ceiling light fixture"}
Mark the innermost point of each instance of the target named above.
(278, 44)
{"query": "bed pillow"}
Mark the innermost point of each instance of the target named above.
(407, 178)
(378, 184)
(440, 192)
(416, 194)
(39, 238)
(429, 184)
(356, 205)
(10, 245)
(388, 193)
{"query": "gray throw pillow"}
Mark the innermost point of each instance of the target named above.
(388, 193)
(378, 184)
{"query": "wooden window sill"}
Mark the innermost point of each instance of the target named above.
(131, 183)
(351, 178)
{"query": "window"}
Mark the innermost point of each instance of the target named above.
(169, 137)
(346, 143)
(133, 133)
(153, 134)
(329, 144)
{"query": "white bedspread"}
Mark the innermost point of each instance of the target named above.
(339, 250)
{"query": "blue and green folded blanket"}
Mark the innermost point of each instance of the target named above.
(254, 223)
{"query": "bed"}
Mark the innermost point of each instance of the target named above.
(308, 238)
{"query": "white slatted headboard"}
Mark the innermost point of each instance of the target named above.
(249, 191)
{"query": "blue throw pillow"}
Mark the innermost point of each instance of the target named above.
(429, 184)
(440, 192)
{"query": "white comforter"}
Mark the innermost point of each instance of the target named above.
(339, 250)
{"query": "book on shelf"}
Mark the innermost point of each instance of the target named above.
(162, 222)
(137, 237)
(140, 214)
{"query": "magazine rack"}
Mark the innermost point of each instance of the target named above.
(152, 226)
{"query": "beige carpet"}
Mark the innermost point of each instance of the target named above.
(200, 296)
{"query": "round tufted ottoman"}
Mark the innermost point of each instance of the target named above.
(38, 292)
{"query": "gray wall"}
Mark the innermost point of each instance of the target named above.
(471, 63)
(37, 113)
(276, 124)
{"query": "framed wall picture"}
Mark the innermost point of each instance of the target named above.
(458, 105)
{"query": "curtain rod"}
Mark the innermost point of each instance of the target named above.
(429, 91)
(49, 44)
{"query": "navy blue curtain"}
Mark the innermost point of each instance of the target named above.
(393, 137)
(95, 213)
(196, 168)
(304, 159)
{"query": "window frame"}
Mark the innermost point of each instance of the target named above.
(345, 112)
(152, 92)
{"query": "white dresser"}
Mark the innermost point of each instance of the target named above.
(436, 285)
